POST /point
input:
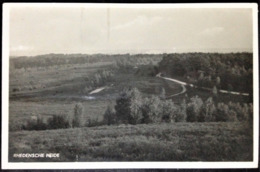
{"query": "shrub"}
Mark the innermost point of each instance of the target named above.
(151, 111)
(232, 116)
(16, 89)
(191, 114)
(215, 91)
(224, 114)
(33, 124)
(163, 95)
(15, 126)
(181, 113)
(55, 122)
(168, 111)
(194, 108)
(207, 110)
(250, 113)
(100, 78)
(58, 121)
(78, 117)
(241, 111)
(135, 115)
(122, 107)
(109, 116)
(128, 107)
(94, 122)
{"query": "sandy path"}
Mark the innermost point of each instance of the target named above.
(183, 84)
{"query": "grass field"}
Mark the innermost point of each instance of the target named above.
(154, 142)
(52, 80)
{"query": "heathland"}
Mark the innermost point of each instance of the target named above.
(123, 107)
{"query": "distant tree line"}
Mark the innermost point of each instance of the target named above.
(63, 59)
(231, 71)
(132, 108)
(54, 59)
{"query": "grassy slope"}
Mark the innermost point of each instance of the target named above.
(64, 78)
(160, 142)
(46, 102)
(21, 110)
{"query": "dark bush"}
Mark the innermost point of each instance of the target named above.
(224, 114)
(128, 107)
(55, 122)
(58, 122)
(78, 117)
(109, 116)
(94, 123)
(151, 110)
(168, 111)
(37, 124)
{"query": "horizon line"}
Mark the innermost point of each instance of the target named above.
(128, 53)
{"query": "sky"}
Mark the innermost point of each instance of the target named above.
(67, 30)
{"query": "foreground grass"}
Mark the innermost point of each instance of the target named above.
(155, 142)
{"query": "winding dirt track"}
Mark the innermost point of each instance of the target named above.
(183, 84)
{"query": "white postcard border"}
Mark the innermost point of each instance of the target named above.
(123, 165)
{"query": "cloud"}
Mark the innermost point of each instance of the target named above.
(21, 48)
(212, 31)
(139, 21)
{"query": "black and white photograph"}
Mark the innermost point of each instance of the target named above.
(130, 85)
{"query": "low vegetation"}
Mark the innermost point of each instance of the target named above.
(216, 141)
(61, 121)
(55, 122)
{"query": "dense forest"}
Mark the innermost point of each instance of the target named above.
(231, 71)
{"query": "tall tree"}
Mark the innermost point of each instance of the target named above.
(163, 94)
(128, 107)
(215, 91)
(109, 116)
(151, 110)
(168, 111)
(194, 108)
(78, 116)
